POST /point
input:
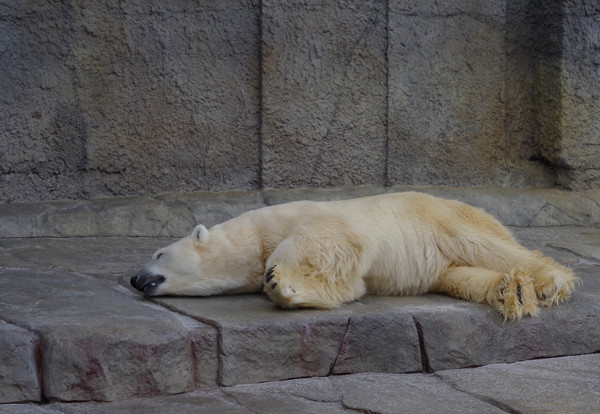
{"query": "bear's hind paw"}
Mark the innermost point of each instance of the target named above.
(550, 294)
(516, 296)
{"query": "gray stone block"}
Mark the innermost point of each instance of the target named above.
(568, 70)
(377, 340)
(532, 207)
(205, 351)
(205, 401)
(144, 96)
(98, 343)
(512, 207)
(590, 282)
(41, 149)
(523, 158)
(581, 246)
(280, 196)
(323, 93)
(170, 215)
(101, 341)
(446, 93)
(368, 393)
(18, 365)
(459, 336)
(174, 215)
(188, 210)
(558, 385)
(259, 342)
(406, 393)
(580, 127)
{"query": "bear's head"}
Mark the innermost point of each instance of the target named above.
(201, 264)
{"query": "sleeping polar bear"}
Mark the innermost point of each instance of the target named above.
(322, 254)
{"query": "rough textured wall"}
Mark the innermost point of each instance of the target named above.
(448, 94)
(580, 88)
(324, 93)
(42, 131)
(568, 74)
(114, 98)
(104, 98)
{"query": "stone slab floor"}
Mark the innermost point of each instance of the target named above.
(74, 337)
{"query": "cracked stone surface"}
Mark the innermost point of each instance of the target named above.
(556, 385)
(73, 330)
(98, 340)
(18, 371)
(534, 386)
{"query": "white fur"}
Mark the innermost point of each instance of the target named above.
(327, 253)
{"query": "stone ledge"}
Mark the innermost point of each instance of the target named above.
(96, 339)
(174, 215)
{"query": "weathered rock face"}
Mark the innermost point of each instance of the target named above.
(96, 343)
(447, 93)
(131, 97)
(568, 72)
(18, 372)
(142, 97)
(324, 93)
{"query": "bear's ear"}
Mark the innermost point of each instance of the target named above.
(200, 233)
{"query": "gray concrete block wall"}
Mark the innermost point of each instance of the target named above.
(568, 74)
(580, 77)
(324, 93)
(143, 97)
(115, 98)
(446, 92)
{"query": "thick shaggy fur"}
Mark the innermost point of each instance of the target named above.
(322, 254)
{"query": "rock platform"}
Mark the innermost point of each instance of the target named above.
(74, 337)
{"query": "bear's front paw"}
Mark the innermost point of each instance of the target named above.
(278, 290)
(516, 296)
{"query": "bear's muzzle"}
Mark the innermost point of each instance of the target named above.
(146, 282)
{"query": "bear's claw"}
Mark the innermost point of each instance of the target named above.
(270, 274)
(278, 290)
(516, 296)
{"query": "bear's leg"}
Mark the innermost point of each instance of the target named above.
(299, 287)
(320, 273)
(513, 293)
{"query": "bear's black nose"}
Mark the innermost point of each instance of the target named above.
(146, 282)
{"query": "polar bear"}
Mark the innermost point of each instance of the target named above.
(323, 254)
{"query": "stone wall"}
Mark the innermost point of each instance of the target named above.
(108, 98)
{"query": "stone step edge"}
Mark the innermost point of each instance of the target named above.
(175, 214)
